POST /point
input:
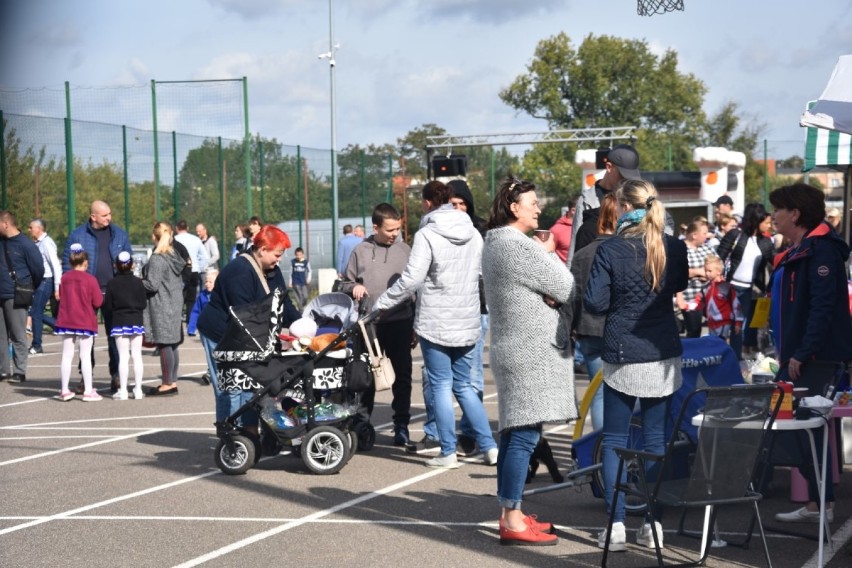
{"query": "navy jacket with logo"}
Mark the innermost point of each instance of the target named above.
(810, 299)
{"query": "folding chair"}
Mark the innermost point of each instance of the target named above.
(731, 440)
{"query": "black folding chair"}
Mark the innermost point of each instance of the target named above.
(731, 441)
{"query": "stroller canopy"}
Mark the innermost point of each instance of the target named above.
(332, 312)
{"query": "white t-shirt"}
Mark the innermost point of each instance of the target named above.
(744, 275)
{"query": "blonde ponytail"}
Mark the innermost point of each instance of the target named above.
(163, 236)
(641, 194)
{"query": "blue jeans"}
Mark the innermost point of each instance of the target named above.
(591, 347)
(223, 405)
(41, 297)
(748, 336)
(516, 447)
(448, 376)
(477, 378)
(618, 410)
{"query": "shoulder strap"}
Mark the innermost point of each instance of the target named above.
(257, 269)
(9, 262)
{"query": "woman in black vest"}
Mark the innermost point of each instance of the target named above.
(749, 252)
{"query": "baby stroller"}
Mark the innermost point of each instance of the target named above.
(304, 398)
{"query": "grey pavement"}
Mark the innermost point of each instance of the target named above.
(134, 483)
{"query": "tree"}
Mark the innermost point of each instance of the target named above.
(607, 82)
(611, 82)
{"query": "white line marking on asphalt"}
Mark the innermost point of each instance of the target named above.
(91, 420)
(307, 519)
(73, 512)
(839, 538)
(28, 401)
(73, 448)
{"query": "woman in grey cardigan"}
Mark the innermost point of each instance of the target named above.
(162, 316)
(525, 287)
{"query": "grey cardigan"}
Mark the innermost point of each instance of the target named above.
(530, 353)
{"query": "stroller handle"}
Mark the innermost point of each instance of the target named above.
(370, 316)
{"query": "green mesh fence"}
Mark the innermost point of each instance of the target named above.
(201, 179)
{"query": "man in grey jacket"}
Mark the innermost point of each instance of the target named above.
(443, 271)
(375, 264)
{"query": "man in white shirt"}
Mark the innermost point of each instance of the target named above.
(199, 257)
(210, 244)
(49, 287)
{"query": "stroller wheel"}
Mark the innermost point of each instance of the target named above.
(235, 455)
(325, 450)
(366, 436)
(353, 442)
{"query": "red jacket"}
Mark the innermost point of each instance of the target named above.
(562, 231)
(79, 297)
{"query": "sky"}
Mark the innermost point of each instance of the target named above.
(400, 63)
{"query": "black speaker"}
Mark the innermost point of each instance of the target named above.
(449, 165)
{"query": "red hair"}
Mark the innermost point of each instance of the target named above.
(271, 237)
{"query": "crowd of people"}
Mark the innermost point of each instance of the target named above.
(606, 282)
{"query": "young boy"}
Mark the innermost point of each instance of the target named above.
(300, 278)
(718, 300)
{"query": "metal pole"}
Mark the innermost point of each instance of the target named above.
(331, 63)
(126, 185)
(493, 173)
(363, 189)
(247, 138)
(221, 196)
(175, 193)
(299, 192)
(765, 174)
(156, 152)
(390, 180)
(69, 160)
(3, 203)
(262, 179)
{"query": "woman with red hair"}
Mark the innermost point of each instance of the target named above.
(238, 284)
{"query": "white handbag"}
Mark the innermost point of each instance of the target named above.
(380, 365)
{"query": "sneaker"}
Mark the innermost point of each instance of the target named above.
(138, 394)
(466, 446)
(81, 388)
(425, 447)
(18, 378)
(532, 521)
(92, 396)
(400, 435)
(444, 462)
(645, 538)
(65, 396)
(121, 395)
(36, 350)
(490, 457)
(205, 379)
(114, 384)
(618, 540)
(804, 516)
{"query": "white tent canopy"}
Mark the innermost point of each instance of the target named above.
(833, 110)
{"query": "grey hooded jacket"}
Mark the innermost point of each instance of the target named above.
(443, 270)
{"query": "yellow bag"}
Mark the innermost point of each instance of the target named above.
(761, 313)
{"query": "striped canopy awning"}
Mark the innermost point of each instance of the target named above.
(829, 120)
(827, 148)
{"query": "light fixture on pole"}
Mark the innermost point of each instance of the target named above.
(332, 47)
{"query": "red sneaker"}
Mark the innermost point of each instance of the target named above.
(528, 537)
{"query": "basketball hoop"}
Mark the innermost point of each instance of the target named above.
(651, 7)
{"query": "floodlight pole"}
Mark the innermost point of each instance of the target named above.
(331, 64)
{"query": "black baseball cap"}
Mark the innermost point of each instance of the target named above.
(626, 159)
(724, 200)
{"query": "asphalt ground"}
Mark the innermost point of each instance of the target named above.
(134, 483)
